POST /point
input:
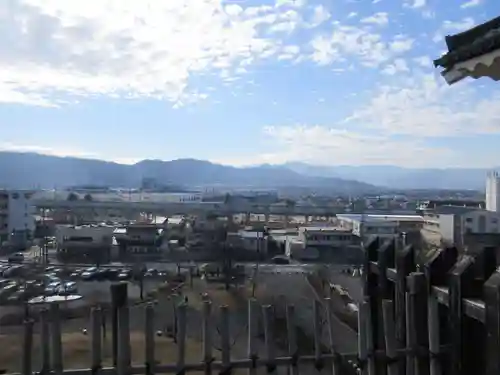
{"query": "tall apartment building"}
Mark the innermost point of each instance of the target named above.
(16, 215)
(493, 192)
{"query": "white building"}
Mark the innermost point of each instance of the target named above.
(384, 226)
(450, 224)
(84, 233)
(493, 192)
(17, 220)
(311, 242)
(325, 236)
(85, 242)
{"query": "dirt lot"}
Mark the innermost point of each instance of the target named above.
(76, 351)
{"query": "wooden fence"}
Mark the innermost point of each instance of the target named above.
(265, 357)
(441, 317)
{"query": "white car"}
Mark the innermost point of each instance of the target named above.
(67, 288)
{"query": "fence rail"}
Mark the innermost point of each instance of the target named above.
(447, 310)
(440, 317)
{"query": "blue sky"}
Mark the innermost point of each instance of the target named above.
(330, 82)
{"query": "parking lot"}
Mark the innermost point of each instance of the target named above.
(19, 283)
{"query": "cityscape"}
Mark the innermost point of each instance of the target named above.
(261, 186)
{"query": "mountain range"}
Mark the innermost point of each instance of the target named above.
(31, 170)
(401, 178)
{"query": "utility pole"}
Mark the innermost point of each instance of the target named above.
(227, 265)
(256, 268)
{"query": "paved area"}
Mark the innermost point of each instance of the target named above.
(293, 288)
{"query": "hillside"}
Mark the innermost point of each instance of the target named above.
(400, 177)
(30, 170)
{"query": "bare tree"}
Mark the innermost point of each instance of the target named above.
(72, 197)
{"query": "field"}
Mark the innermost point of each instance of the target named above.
(76, 351)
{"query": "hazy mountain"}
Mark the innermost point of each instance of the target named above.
(400, 178)
(30, 170)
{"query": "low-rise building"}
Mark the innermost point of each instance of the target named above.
(87, 243)
(321, 242)
(138, 239)
(325, 236)
(451, 225)
(17, 223)
(384, 226)
(247, 240)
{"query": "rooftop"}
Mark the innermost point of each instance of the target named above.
(363, 217)
(324, 229)
(468, 45)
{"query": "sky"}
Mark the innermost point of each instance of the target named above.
(244, 82)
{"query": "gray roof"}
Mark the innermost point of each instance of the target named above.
(472, 43)
(454, 210)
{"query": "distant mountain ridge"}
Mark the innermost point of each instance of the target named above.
(31, 170)
(400, 177)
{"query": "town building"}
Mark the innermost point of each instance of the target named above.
(493, 192)
(451, 225)
(17, 223)
(248, 244)
(384, 226)
(321, 242)
(86, 243)
(138, 240)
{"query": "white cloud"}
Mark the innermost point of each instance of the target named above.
(453, 27)
(129, 48)
(327, 145)
(423, 61)
(399, 124)
(62, 152)
(415, 4)
(424, 106)
(369, 47)
(12, 147)
(397, 66)
(458, 26)
(471, 4)
(320, 15)
(379, 18)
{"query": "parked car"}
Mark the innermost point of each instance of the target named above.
(67, 288)
(279, 259)
(16, 258)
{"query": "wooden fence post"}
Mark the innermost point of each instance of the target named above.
(418, 295)
(405, 264)
(371, 290)
(45, 340)
(268, 316)
(492, 317)
(27, 356)
(390, 337)
(463, 284)
(96, 338)
(292, 339)
(434, 328)
(385, 290)
(149, 347)
(123, 335)
(207, 337)
(225, 337)
(56, 339)
(119, 296)
(436, 271)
